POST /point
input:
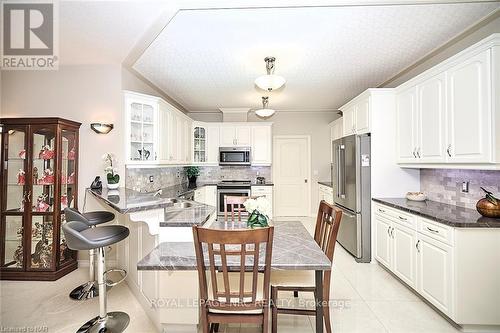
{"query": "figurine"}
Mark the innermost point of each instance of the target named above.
(46, 153)
(71, 179)
(63, 248)
(72, 154)
(47, 178)
(18, 256)
(20, 177)
(35, 175)
(42, 255)
(64, 202)
(41, 205)
(22, 154)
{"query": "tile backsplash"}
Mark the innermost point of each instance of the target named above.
(445, 185)
(138, 178)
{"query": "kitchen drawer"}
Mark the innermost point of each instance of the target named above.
(435, 230)
(395, 215)
(261, 190)
(325, 188)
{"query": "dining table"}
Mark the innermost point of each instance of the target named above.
(294, 248)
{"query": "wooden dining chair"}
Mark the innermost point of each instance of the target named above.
(239, 284)
(235, 205)
(325, 235)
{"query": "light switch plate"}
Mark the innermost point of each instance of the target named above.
(465, 187)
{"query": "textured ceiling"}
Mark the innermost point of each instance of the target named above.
(206, 59)
(97, 32)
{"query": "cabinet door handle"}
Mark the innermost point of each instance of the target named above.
(389, 231)
(418, 152)
(403, 218)
(416, 246)
(381, 210)
(432, 230)
(392, 232)
(414, 154)
(448, 150)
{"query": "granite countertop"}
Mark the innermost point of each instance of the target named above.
(187, 217)
(293, 249)
(453, 216)
(329, 184)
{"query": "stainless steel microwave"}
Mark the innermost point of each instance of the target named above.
(234, 155)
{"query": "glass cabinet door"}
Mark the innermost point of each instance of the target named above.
(69, 160)
(14, 196)
(199, 144)
(43, 183)
(142, 131)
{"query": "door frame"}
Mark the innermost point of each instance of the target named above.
(309, 161)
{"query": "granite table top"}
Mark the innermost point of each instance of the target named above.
(293, 249)
(453, 216)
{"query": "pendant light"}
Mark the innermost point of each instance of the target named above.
(270, 81)
(265, 112)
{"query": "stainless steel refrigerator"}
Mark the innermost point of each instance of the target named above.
(352, 193)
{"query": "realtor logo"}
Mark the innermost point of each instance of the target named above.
(29, 35)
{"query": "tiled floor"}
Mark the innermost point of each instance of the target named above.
(368, 299)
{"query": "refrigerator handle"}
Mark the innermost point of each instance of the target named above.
(337, 169)
(342, 168)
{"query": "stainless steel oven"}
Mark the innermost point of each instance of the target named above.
(234, 156)
(231, 188)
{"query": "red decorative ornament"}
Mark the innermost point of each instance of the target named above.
(21, 179)
(46, 153)
(22, 154)
(47, 178)
(72, 154)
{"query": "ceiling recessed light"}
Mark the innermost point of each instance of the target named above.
(265, 112)
(270, 81)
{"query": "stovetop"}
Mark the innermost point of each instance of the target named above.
(235, 182)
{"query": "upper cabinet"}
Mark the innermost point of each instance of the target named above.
(205, 143)
(142, 113)
(235, 135)
(445, 116)
(261, 153)
(356, 116)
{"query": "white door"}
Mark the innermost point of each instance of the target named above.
(291, 161)
(434, 267)
(261, 145)
(348, 126)
(404, 254)
(469, 110)
(227, 136)
(407, 125)
(212, 144)
(362, 116)
(431, 106)
(382, 240)
(243, 136)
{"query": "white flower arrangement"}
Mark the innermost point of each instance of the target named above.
(110, 171)
(260, 204)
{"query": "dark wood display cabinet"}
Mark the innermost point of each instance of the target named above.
(39, 178)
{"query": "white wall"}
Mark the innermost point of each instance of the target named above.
(310, 123)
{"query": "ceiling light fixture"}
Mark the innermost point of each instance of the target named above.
(101, 128)
(270, 81)
(265, 112)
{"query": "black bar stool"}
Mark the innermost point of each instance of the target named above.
(91, 219)
(80, 237)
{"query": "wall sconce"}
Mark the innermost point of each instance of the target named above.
(101, 128)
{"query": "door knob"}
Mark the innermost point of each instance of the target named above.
(305, 180)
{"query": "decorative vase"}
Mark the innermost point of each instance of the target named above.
(257, 220)
(488, 209)
(113, 186)
(192, 181)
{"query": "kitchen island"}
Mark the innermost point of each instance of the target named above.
(162, 268)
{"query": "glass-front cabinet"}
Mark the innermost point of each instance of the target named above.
(38, 180)
(199, 144)
(142, 125)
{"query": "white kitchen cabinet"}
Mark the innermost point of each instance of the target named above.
(348, 121)
(213, 144)
(407, 128)
(469, 110)
(235, 135)
(325, 193)
(264, 191)
(362, 116)
(336, 129)
(383, 242)
(452, 122)
(261, 153)
(403, 253)
(434, 267)
(431, 119)
(207, 195)
(142, 128)
(205, 143)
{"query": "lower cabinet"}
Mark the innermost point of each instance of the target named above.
(263, 191)
(454, 269)
(207, 195)
(325, 193)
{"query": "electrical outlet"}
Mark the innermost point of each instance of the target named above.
(465, 187)
(151, 179)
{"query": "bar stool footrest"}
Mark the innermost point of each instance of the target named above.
(110, 283)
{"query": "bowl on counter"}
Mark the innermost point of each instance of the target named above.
(416, 196)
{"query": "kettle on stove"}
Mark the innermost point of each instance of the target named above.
(261, 180)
